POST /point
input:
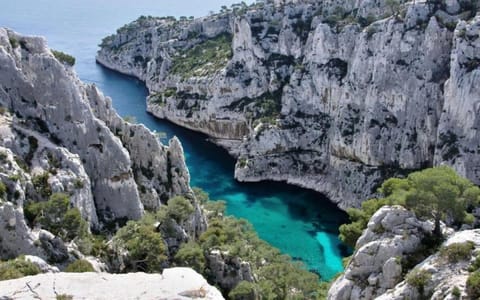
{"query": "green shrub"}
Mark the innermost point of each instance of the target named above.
(56, 216)
(179, 209)
(17, 268)
(146, 248)
(64, 58)
(469, 219)
(191, 255)
(473, 285)
(13, 42)
(78, 183)
(205, 58)
(79, 266)
(349, 233)
(435, 193)
(457, 251)
(243, 291)
(40, 182)
(242, 162)
(475, 265)
(201, 195)
(3, 189)
(418, 279)
(456, 292)
(215, 208)
(64, 297)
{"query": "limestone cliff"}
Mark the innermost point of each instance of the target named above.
(331, 95)
(58, 134)
(392, 261)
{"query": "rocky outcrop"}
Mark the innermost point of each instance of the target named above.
(334, 95)
(395, 244)
(393, 234)
(445, 276)
(58, 135)
(227, 271)
(175, 283)
(112, 168)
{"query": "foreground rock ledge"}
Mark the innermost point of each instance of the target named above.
(174, 283)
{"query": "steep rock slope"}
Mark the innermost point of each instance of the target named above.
(58, 135)
(389, 252)
(335, 96)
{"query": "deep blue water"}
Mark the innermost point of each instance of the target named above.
(299, 222)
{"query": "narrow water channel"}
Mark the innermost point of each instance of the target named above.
(299, 222)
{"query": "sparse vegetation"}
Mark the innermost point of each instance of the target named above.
(64, 58)
(56, 216)
(40, 182)
(456, 292)
(418, 279)
(436, 193)
(130, 119)
(191, 255)
(3, 189)
(146, 250)
(80, 266)
(457, 251)
(204, 59)
(278, 277)
(17, 268)
(473, 285)
(13, 42)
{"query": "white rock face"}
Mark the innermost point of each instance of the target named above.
(175, 283)
(120, 168)
(330, 95)
(58, 135)
(392, 234)
(391, 242)
(445, 275)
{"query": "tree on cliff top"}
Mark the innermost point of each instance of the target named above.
(438, 194)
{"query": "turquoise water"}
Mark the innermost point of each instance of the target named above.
(299, 222)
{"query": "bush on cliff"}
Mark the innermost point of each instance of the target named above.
(80, 266)
(64, 58)
(191, 255)
(17, 268)
(57, 216)
(144, 246)
(436, 194)
(205, 58)
(473, 285)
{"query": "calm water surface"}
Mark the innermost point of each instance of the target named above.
(299, 222)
